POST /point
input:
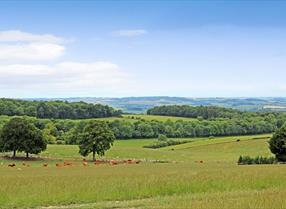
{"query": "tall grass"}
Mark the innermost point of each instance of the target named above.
(53, 186)
(202, 174)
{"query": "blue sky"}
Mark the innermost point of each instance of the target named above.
(142, 48)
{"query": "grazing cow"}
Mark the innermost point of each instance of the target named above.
(114, 162)
(201, 161)
(45, 165)
(12, 165)
(84, 163)
(67, 163)
(58, 165)
(97, 162)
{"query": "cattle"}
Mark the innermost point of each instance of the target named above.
(45, 165)
(11, 165)
(67, 163)
(84, 163)
(114, 162)
(58, 165)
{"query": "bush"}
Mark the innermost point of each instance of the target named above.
(246, 160)
(162, 137)
(60, 142)
(165, 144)
(277, 144)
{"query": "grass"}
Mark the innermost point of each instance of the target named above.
(184, 182)
(136, 117)
(155, 117)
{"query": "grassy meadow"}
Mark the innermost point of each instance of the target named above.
(199, 174)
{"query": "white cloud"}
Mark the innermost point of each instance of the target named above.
(19, 36)
(31, 51)
(65, 77)
(129, 33)
(22, 46)
(24, 69)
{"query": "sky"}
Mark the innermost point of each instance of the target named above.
(142, 48)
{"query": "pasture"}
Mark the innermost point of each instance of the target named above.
(136, 117)
(199, 174)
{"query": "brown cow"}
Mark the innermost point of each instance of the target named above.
(58, 165)
(114, 162)
(12, 165)
(67, 163)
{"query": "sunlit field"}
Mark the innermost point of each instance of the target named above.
(199, 174)
(136, 117)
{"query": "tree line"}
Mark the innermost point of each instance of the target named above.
(205, 112)
(55, 109)
(67, 131)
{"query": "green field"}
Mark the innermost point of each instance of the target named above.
(170, 177)
(136, 117)
(155, 117)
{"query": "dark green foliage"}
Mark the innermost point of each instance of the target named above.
(56, 109)
(19, 134)
(96, 138)
(165, 144)
(277, 144)
(204, 112)
(204, 128)
(162, 137)
(246, 160)
(242, 124)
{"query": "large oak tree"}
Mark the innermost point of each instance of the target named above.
(21, 135)
(96, 138)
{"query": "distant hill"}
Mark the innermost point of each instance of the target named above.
(141, 104)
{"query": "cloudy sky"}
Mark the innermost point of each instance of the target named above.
(142, 48)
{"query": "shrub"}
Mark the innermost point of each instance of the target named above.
(277, 144)
(162, 137)
(246, 160)
(60, 142)
(165, 144)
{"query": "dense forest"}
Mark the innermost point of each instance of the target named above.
(65, 131)
(55, 109)
(205, 112)
(56, 120)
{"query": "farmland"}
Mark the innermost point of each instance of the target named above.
(199, 174)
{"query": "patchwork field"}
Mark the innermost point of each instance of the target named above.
(136, 117)
(199, 174)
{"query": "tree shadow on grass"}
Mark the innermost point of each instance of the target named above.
(22, 158)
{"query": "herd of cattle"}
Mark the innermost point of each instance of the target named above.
(84, 163)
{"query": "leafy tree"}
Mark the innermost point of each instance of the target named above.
(19, 134)
(162, 137)
(96, 138)
(55, 109)
(277, 144)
